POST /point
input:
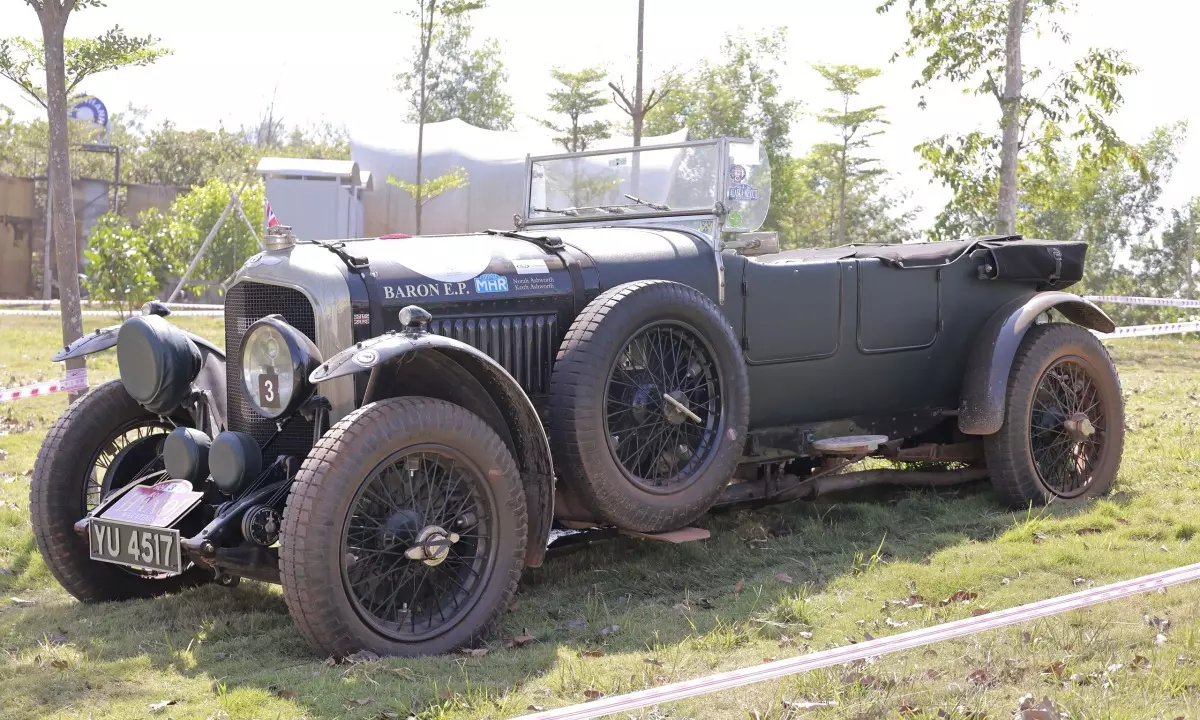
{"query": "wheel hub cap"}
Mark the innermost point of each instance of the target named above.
(1078, 427)
(433, 546)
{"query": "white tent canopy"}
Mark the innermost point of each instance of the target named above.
(494, 161)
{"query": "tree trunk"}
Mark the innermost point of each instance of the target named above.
(841, 221)
(1189, 277)
(1010, 108)
(54, 22)
(426, 49)
(638, 115)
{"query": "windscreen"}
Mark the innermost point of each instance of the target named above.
(626, 183)
(748, 187)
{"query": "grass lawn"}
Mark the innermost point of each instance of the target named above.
(769, 584)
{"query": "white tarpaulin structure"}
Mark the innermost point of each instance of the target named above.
(494, 161)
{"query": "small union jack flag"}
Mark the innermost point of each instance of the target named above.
(272, 221)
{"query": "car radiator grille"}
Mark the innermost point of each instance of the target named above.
(525, 345)
(246, 303)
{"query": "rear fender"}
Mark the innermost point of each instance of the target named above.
(981, 409)
(415, 363)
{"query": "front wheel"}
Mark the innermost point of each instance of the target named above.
(404, 533)
(1064, 421)
(102, 443)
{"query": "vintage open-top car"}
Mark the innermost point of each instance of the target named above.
(396, 425)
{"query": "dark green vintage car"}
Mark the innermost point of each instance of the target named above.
(401, 423)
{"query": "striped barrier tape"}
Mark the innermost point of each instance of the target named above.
(1151, 330)
(109, 313)
(75, 380)
(1135, 300)
(173, 306)
(870, 648)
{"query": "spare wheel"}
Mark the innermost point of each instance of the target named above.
(649, 403)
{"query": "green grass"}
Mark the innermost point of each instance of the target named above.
(234, 653)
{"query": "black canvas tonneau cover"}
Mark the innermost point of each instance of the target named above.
(1052, 263)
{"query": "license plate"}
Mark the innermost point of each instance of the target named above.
(139, 546)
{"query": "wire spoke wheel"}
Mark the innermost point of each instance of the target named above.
(1068, 427)
(131, 453)
(663, 407)
(417, 547)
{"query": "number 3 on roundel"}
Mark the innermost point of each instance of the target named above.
(268, 390)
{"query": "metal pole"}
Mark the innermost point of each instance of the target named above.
(249, 225)
(200, 253)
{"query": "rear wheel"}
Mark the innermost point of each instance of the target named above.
(1064, 420)
(649, 405)
(102, 443)
(404, 533)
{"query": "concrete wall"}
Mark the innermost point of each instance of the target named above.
(16, 236)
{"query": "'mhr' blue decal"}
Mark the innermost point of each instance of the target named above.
(491, 283)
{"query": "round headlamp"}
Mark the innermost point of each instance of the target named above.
(276, 360)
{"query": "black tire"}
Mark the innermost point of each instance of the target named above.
(1043, 452)
(585, 397)
(58, 498)
(316, 561)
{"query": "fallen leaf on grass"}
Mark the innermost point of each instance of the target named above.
(1058, 669)
(57, 638)
(22, 602)
(979, 611)
(359, 702)
(1141, 661)
(362, 656)
(475, 652)
(446, 695)
(1045, 710)
(591, 653)
(737, 587)
(521, 640)
(1088, 531)
(574, 625)
(907, 709)
(1163, 624)
(960, 596)
(805, 635)
(894, 624)
(286, 694)
(592, 694)
(157, 707)
(784, 578)
(536, 708)
(653, 661)
(1160, 640)
(934, 674)
(1080, 581)
(808, 705)
(1026, 637)
(769, 659)
(979, 677)
(60, 664)
(387, 715)
(609, 630)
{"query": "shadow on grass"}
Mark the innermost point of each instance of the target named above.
(659, 596)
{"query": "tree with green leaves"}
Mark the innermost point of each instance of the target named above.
(465, 81)
(456, 177)
(854, 128)
(118, 270)
(433, 18)
(66, 64)
(737, 95)
(1169, 266)
(978, 41)
(577, 98)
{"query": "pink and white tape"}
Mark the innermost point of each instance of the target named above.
(1136, 300)
(1176, 328)
(75, 380)
(870, 648)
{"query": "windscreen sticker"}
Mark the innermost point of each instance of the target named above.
(454, 261)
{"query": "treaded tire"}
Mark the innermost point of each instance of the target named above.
(578, 429)
(320, 501)
(56, 492)
(1009, 453)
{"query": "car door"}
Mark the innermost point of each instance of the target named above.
(793, 310)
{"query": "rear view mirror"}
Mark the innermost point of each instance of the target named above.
(755, 243)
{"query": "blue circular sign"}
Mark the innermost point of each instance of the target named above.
(90, 110)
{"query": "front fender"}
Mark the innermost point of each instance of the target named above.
(981, 407)
(212, 368)
(419, 363)
(89, 344)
